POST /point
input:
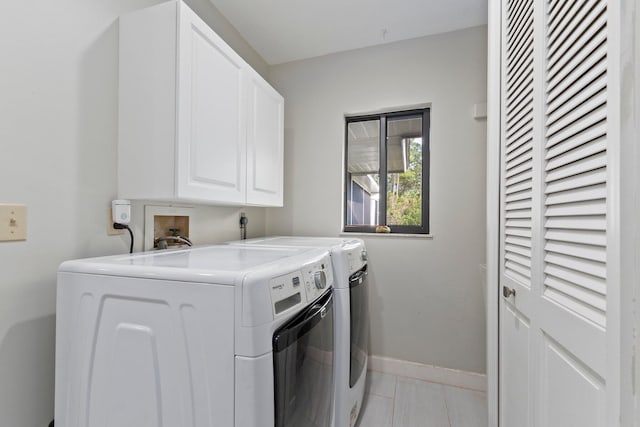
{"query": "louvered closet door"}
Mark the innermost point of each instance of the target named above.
(573, 293)
(553, 330)
(518, 195)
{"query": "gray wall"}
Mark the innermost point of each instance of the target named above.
(58, 134)
(426, 303)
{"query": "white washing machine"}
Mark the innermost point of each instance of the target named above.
(349, 259)
(205, 336)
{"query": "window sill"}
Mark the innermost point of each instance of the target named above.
(386, 235)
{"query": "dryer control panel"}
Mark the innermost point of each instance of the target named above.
(357, 257)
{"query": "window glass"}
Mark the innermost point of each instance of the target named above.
(363, 168)
(404, 171)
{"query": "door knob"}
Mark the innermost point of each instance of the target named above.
(507, 292)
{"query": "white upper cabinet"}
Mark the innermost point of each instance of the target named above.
(211, 115)
(197, 124)
(265, 143)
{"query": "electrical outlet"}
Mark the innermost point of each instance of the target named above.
(110, 230)
(13, 222)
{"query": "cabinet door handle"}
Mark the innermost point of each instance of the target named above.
(507, 292)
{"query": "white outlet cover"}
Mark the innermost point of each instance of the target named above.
(150, 211)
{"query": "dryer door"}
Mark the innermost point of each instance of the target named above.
(303, 367)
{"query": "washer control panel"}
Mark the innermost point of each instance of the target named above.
(287, 291)
(318, 277)
(301, 286)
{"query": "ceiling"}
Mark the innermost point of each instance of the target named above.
(288, 30)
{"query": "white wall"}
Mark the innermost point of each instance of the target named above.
(58, 130)
(426, 302)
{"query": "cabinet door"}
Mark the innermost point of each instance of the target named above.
(265, 143)
(211, 149)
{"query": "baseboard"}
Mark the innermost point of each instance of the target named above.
(436, 374)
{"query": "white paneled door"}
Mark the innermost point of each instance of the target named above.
(555, 363)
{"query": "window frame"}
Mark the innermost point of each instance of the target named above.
(382, 172)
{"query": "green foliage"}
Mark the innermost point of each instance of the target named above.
(404, 190)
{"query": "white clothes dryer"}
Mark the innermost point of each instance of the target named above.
(350, 266)
(206, 336)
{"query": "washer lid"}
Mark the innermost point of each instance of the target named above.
(212, 264)
(215, 258)
(296, 241)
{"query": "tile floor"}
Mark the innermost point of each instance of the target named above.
(393, 401)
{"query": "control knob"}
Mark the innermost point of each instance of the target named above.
(320, 278)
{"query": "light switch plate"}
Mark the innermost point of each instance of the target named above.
(13, 222)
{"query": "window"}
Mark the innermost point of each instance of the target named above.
(387, 172)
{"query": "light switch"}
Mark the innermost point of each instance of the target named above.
(13, 222)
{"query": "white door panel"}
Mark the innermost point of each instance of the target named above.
(555, 204)
(561, 372)
(265, 143)
(212, 94)
(518, 217)
(583, 338)
(211, 153)
(514, 362)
